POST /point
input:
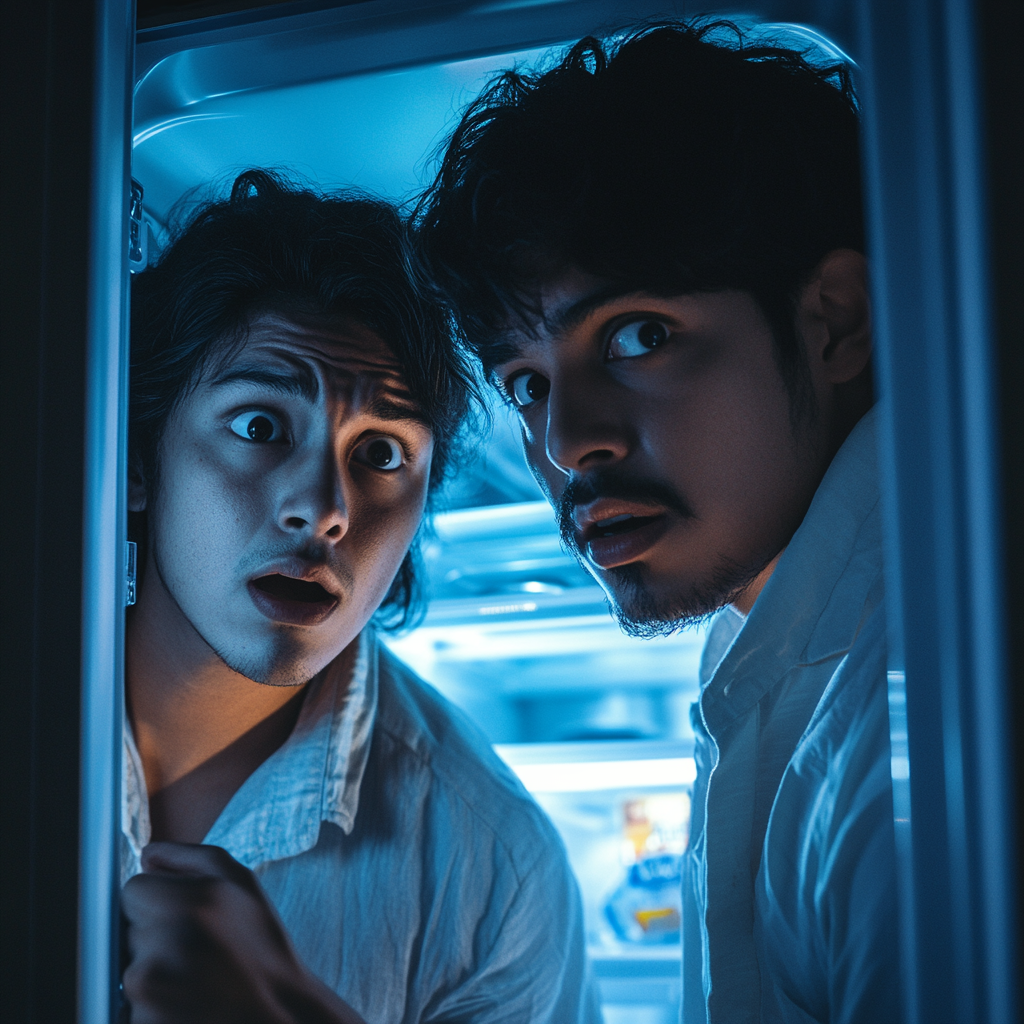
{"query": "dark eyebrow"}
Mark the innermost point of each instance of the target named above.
(384, 407)
(565, 319)
(505, 349)
(299, 380)
(498, 352)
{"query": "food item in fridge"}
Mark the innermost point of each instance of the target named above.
(645, 908)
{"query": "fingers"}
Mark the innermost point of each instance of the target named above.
(146, 899)
(157, 988)
(193, 896)
(201, 948)
(193, 859)
(164, 944)
(205, 944)
(179, 906)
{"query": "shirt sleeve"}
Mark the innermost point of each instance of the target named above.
(537, 968)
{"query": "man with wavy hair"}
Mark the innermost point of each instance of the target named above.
(656, 250)
(310, 832)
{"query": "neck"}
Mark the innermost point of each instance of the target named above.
(744, 601)
(200, 727)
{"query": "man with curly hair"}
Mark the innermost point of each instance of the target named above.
(310, 832)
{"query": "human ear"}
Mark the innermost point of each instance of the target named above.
(835, 311)
(136, 489)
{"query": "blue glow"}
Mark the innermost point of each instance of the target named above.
(377, 131)
(517, 633)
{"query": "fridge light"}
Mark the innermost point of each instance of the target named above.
(592, 776)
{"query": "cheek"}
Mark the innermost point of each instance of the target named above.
(724, 439)
(548, 476)
(737, 460)
(760, 459)
(204, 514)
(380, 533)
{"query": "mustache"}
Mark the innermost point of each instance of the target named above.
(613, 483)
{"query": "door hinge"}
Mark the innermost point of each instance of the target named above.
(131, 555)
(138, 256)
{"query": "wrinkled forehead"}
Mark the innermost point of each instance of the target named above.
(336, 356)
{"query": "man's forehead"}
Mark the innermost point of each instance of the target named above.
(337, 343)
(339, 352)
(306, 358)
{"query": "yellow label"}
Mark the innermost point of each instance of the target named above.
(663, 920)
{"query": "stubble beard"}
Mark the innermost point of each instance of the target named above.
(645, 614)
(284, 665)
(637, 605)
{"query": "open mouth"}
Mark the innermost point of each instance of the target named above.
(623, 538)
(292, 601)
(287, 588)
(616, 525)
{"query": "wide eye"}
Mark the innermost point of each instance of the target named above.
(528, 387)
(381, 452)
(257, 426)
(637, 339)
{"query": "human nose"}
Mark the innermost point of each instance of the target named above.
(586, 424)
(314, 503)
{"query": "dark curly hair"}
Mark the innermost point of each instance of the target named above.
(681, 158)
(275, 246)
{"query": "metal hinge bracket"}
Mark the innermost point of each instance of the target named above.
(131, 555)
(138, 255)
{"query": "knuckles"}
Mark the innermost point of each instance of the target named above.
(153, 980)
(145, 896)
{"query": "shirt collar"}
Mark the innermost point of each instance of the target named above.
(813, 604)
(313, 777)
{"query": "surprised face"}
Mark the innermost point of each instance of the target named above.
(291, 482)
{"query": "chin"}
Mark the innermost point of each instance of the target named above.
(288, 668)
(287, 677)
(644, 614)
(647, 607)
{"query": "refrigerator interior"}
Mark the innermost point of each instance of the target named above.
(517, 634)
(595, 723)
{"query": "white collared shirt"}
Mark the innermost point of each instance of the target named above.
(412, 871)
(789, 907)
